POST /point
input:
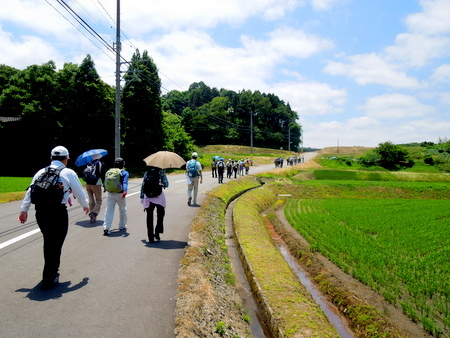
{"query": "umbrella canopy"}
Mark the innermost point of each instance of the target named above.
(164, 159)
(217, 157)
(86, 157)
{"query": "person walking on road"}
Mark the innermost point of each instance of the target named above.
(220, 169)
(116, 184)
(94, 178)
(152, 196)
(193, 176)
(229, 168)
(214, 168)
(49, 192)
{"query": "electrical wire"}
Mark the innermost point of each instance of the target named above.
(78, 29)
(90, 29)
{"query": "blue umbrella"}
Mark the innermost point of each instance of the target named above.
(86, 157)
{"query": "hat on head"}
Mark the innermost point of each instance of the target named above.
(60, 151)
(194, 155)
(119, 162)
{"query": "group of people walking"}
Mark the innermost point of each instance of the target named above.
(51, 188)
(218, 167)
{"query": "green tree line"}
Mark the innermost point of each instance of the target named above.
(41, 107)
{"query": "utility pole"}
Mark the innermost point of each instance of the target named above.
(117, 115)
(289, 138)
(251, 132)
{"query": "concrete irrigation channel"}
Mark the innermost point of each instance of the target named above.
(287, 303)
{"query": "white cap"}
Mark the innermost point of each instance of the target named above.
(194, 155)
(60, 151)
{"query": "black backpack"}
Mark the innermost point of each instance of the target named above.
(47, 189)
(152, 185)
(90, 173)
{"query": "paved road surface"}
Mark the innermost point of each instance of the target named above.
(116, 286)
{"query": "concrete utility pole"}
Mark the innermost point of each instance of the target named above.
(117, 116)
(289, 138)
(251, 132)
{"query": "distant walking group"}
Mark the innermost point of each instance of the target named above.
(238, 167)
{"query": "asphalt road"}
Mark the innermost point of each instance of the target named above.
(115, 286)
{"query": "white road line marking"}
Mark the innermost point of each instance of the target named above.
(134, 193)
(35, 231)
(19, 238)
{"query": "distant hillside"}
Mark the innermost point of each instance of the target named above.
(351, 151)
(232, 150)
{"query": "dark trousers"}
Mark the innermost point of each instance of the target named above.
(214, 172)
(160, 212)
(54, 224)
(220, 172)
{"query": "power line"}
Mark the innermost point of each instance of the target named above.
(77, 28)
(84, 24)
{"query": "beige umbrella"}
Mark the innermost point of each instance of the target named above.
(164, 160)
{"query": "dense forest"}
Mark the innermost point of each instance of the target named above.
(41, 107)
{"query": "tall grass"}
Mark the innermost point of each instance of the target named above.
(399, 247)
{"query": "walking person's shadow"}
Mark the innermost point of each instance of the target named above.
(165, 244)
(39, 295)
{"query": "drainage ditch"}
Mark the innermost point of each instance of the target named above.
(256, 324)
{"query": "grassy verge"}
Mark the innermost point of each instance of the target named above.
(208, 304)
(288, 308)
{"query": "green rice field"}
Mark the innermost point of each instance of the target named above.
(12, 184)
(399, 247)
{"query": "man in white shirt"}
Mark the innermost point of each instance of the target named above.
(53, 219)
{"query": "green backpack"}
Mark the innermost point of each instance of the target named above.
(113, 180)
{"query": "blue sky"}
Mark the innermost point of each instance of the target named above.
(357, 72)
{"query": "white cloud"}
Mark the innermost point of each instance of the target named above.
(371, 69)
(433, 20)
(427, 37)
(396, 106)
(38, 17)
(311, 98)
(251, 66)
(179, 14)
(321, 5)
(445, 101)
(25, 51)
(295, 43)
(441, 74)
(417, 49)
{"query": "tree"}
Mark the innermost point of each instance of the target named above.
(89, 109)
(392, 156)
(6, 72)
(32, 97)
(142, 114)
(177, 139)
(174, 102)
